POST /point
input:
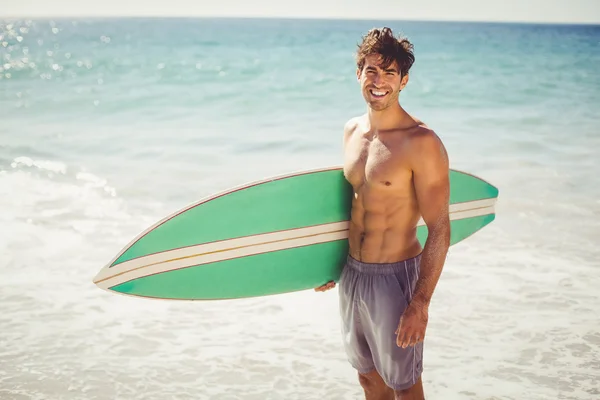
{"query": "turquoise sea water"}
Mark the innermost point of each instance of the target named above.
(107, 125)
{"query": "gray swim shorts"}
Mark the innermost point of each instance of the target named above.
(373, 297)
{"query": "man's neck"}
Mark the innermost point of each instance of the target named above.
(393, 117)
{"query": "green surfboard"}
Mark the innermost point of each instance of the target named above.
(279, 235)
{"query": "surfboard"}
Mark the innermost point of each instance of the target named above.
(278, 235)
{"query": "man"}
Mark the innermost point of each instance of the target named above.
(398, 168)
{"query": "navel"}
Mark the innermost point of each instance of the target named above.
(387, 183)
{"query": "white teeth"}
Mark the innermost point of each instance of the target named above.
(378, 93)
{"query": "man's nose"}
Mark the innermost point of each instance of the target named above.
(377, 79)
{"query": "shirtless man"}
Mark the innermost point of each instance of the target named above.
(398, 168)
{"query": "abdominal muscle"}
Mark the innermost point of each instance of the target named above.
(383, 226)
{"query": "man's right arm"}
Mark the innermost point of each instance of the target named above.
(349, 127)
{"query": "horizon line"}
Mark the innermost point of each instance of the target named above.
(299, 18)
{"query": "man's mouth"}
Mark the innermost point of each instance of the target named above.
(378, 93)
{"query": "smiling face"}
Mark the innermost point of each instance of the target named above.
(383, 61)
(380, 84)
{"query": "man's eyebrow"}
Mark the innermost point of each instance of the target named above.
(388, 69)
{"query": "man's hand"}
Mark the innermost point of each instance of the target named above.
(325, 287)
(413, 323)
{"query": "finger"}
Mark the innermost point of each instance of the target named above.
(402, 337)
(414, 340)
(399, 326)
(327, 286)
(399, 335)
(406, 342)
(399, 339)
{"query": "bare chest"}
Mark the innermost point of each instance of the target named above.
(375, 161)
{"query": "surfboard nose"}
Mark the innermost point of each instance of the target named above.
(101, 277)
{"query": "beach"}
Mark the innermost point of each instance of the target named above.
(108, 125)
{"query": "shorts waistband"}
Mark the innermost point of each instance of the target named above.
(383, 268)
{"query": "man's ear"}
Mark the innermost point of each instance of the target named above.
(404, 81)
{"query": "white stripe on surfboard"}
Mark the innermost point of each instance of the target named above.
(221, 247)
(220, 256)
(187, 252)
(252, 245)
(457, 209)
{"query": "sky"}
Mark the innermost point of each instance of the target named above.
(562, 11)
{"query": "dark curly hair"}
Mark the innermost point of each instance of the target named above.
(383, 42)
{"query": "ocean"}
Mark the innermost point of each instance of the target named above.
(108, 125)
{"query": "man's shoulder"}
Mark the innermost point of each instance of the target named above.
(353, 123)
(425, 142)
(422, 136)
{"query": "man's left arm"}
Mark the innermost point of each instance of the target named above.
(432, 187)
